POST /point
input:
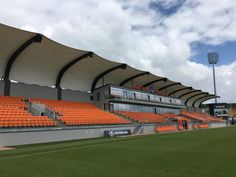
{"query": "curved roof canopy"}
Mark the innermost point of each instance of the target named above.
(33, 58)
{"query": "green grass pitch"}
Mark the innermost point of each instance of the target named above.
(201, 153)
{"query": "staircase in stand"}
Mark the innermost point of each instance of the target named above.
(138, 129)
(39, 109)
(165, 126)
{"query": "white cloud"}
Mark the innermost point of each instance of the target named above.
(132, 32)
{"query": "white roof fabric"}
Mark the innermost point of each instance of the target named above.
(40, 64)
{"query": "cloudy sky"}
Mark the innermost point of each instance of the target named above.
(167, 37)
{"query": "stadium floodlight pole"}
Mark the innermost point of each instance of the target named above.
(213, 58)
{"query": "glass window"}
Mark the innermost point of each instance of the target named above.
(124, 94)
(172, 101)
(98, 96)
(152, 98)
(179, 102)
(163, 100)
(145, 97)
(168, 100)
(116, 93)
(138, 96)
(157, 99)
(130, 95)
(141, 108)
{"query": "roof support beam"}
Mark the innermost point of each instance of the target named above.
(189, 93)
(178, 90)
(187, 100)
(167, 86)
(133, 77)
(208, 99)
(155, 81)
(7, 83)
(67, 67)
(205, 96)
(122, 66)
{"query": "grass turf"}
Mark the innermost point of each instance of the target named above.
(205, 153)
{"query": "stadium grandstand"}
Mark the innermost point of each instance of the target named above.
(51, 92)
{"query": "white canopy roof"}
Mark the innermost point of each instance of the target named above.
(41, 62)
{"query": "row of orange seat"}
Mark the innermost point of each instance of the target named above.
(192, 115)
(78, 113)
(170, 115)
(165, 128)
(208, 117)
(200, 116)
(200, 126)
(203, 126)
(13, 113)
(27, 123)
(142, 117)
(18, 118)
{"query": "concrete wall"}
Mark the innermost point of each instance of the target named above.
(76, 96)
(217, 125)
(103, 100)
(20, 89)
(147, 129)
(211, 125)
(11, 138)
(36, 91)
(100, 103)
(33, 137)
(1, 88)
(190, 125)
(191, 109)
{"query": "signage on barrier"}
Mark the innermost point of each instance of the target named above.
(114, 133)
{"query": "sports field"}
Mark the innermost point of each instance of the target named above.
(201, 153)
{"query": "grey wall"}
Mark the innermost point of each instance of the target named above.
(19, 138)
(75, 95)
(25, 137)
(193, 109)
(147, 129)
(190, 125)
(1, 88)
(20, 89)
(36, 91)
(103, 100)
(190, 109)
(217, 124)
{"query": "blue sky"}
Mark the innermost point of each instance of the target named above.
(227, 52)
(166, 8)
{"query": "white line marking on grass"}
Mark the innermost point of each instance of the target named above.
(50, 151)
(66, 149)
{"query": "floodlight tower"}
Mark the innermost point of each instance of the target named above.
(213, 58)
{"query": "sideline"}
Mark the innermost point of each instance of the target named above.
(70, 148)
(51, 151)
(3, 148)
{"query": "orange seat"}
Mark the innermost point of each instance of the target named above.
(77, 113)
(13, 114)
(143, 117)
